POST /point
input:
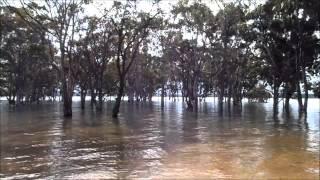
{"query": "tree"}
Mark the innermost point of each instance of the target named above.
(97, 50)
(58, 20)
(194, 19)
(26, 74)
(131, 28)
(286, 39)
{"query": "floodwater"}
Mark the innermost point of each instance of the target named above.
(149, 143)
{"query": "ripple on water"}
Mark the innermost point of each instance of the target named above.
(94, 174)
(16, 158)
(22, 176)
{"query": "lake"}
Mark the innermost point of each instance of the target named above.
(153, 143)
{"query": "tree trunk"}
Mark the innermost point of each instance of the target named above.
(286, 103)
(195, 94)
(183, 95)
(116, 106)
(11, 98)
(130, 95)
(100, 100)
(229, 97)
(83, 97)
(275, 98)
(144, 98)
(189, 97)
(287, 97)
(306, 94)
(67, 98)
(19, 96)
(189, 103)
(299, 96)
(237, 96)
(220, 98)
(100, 91)
(93, 96)
(162, 95)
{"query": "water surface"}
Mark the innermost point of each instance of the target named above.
(150, 143)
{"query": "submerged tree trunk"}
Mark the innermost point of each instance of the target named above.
(100, 100)
(162, 95)
(93, 97)
(130, 95)
(100, 92)
(131, 87)
(299, 96)
(11, 98)
(116, 106)
(67, 84)
(237, 97)
(189, 103)
(83, 97)
(306, 94)
(195, 94)
(287, 97)
(275, 98)
(286, 103)
(229, 97)
(188, 90)
(67, 97)
(220, 99)
(19, 96)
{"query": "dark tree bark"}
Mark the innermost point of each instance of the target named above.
(195, 94)
(306, 94)
(116, 107)
(67, 84)
(83, 94)
(220, 98)
(100, 93)
(229, 97)
(299, 96)
(162, 95)
(92, 94)
(237, 96)
(67, 98)
(288, 94)
(276, 97)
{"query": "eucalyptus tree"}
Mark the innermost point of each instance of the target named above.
(170, 74)
(131, 28)
(193, 19)
(269, 43)
(165, 66)
(150, 71)
(84, 72)
(12, 41)
(59, 21)
(143, 77)
(285, 33)
(98, 49)
(26, 74)
(302, 21)
(230, 51)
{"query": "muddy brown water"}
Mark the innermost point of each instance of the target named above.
(149, 143)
